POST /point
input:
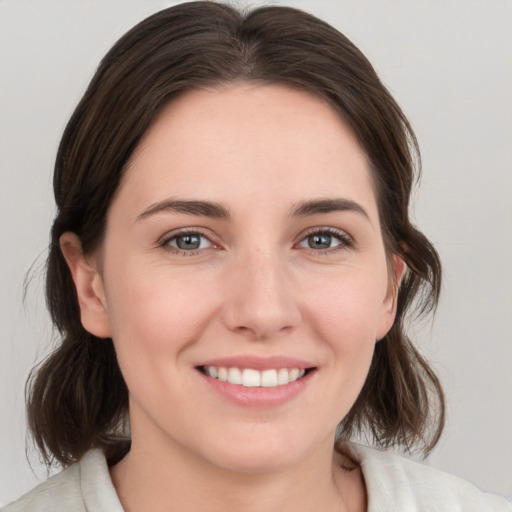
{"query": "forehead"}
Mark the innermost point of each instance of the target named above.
(244, 139)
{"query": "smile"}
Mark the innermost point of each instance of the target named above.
(251, 378)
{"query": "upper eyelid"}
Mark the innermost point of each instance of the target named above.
(326, 229)
(341, 233)
(175, 233)
(345, 239)
(186, 230)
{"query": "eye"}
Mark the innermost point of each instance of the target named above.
(325, 239)
(188, 242)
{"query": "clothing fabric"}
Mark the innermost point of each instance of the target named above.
(394, 484)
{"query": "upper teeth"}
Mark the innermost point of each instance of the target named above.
(254, 378)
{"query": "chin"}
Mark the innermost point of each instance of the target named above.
(257, 462)
(263, 453)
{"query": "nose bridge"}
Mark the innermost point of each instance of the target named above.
(262, 301)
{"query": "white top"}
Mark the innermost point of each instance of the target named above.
(394, 484)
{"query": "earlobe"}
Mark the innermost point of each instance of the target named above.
(88, 285)
(397, 271)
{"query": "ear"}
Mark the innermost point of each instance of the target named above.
(397, 271)
(89, 287)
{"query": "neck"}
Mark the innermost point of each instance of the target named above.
(152, 478)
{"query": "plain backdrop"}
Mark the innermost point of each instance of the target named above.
(448, 63)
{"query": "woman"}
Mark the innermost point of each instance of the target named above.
(230, 269)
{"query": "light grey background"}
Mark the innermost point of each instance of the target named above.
(449, 64)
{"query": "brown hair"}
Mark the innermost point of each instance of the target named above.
(77, 398)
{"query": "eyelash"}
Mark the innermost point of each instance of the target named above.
(345, 241)
(166, 240)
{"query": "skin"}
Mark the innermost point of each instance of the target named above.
(256, 285)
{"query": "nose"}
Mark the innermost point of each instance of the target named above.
(261, 303)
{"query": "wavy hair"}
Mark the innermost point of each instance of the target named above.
(77, 398)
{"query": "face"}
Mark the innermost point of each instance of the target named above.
(243, 277)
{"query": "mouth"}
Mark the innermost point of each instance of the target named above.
(251, 378)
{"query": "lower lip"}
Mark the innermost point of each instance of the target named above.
(259, 396)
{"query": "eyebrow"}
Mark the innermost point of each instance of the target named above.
(216, 210)
(200, 208)
(317, 206)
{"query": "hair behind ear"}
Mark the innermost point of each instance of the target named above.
(77, 400)
(402, 401)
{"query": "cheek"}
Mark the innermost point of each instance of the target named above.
(342, 325)
(349, 331)
(153, 305)
(154, 318)
(349, 307)
(346, 318)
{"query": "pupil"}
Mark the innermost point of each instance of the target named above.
(319, 241)
(188, 242)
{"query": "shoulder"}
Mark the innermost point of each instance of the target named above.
(60, 492)
(83, 486)
(397, 483)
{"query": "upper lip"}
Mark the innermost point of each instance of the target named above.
(258, 362)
